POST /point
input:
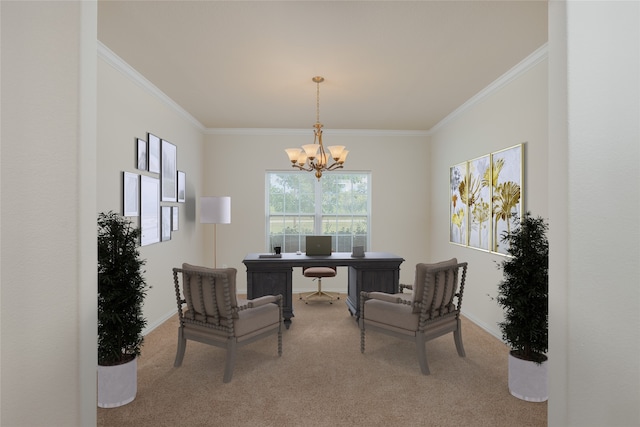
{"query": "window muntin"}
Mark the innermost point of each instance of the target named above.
(299, 205)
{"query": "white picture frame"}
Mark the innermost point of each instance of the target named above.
(153, 153)
(141, 154)
(182, 178)
(169, 173)
(149, 210)
(130, 194)
(166, 218)
(175, 220)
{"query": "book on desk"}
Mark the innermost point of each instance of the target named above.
(270, 256)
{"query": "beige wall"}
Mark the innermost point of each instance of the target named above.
(511, 113)
(48, 239)
(236, 162)
(594, 200)
(128, 108)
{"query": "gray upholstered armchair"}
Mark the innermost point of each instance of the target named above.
(432, 310)
(214, 315)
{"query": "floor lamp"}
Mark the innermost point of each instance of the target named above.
(215, 210)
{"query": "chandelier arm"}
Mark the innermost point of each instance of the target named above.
(303, 168)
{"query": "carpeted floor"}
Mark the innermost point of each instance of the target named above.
(322, 379)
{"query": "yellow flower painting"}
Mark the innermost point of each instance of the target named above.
(485, 193)
(458, 204)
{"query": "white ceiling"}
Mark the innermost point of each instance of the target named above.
(392, 65)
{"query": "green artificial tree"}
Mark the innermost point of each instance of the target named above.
(121, 290)
(523, 292)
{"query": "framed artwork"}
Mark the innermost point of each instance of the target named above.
(169, 172)
(485, 193)
(479, 202)
(130, 194)
(153, 153)
(506, 192)
(458, 204)
(175, 220)
(141, 154)
(167, 215)
(181, 187)
(149, 210)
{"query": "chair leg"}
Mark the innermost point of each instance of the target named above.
(182, 344)
(280, 341)
(319, 295)
(362, 336)
(457, 337)
(231, 360)
(422, 353)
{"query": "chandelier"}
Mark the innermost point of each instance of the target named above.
(313, 157)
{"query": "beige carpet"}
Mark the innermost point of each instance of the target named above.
(322, 379)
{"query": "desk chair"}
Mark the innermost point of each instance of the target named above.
(318, 273)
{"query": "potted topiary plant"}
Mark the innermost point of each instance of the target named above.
(121, 292)
(523, 294)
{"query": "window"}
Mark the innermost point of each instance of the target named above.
(299, 205)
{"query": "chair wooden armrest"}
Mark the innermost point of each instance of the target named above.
(267, 299)
(382, 296)
(403, 287)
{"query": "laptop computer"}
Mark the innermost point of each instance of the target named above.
(318, 245)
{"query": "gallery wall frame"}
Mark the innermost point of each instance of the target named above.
(175, 220)
(130, 194)
(149, 210)
(167, 216)
(142, 194)
(485, 193)
(141, 154)
(153, 153)
(182, 178)
(169, 172)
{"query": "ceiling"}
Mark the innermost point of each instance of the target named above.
(389, 65)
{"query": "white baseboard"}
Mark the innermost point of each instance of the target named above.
(159, 322)
(491, 331)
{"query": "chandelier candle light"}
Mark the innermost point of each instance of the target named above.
(313, 157)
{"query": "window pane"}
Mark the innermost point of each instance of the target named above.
(337, 205)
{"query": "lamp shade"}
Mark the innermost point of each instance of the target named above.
(215, 210)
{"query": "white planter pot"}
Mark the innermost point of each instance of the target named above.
(528, 380)
(117, 385)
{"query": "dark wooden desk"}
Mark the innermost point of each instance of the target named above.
(376, 271)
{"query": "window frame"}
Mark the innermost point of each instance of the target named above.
(338, 241)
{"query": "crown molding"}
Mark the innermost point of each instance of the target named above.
(119, 64)
(522, 67)
(342, 132)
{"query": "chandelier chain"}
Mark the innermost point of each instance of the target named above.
(318, 102)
